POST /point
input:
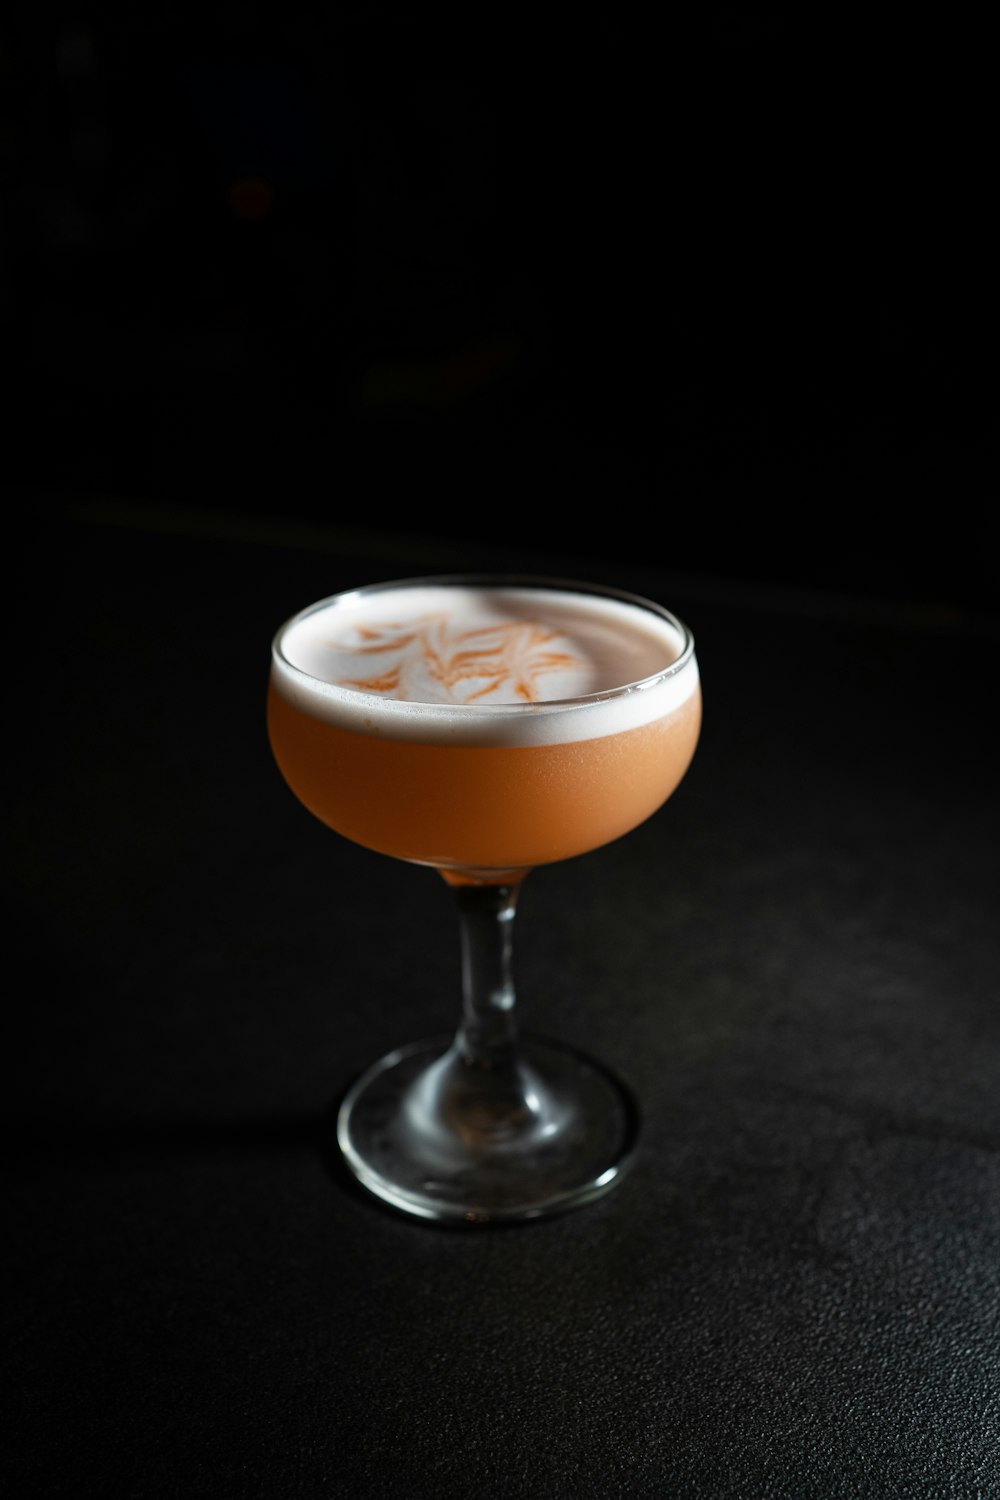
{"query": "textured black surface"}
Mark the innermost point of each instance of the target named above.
(796, 1293)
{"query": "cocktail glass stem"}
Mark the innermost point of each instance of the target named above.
(483, 1091)
(490, 1125)
(487, 1036)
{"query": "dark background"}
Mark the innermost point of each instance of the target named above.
(296, 300)
(720, 293)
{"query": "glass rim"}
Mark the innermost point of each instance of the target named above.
(540, 581)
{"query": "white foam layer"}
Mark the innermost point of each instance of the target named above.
(484, 663)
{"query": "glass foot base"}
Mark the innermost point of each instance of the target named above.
(440, 1138)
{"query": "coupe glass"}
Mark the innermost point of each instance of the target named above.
(483, 726)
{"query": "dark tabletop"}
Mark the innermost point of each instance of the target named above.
(795, 1293)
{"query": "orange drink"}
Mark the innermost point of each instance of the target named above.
(482, 726)
(485, 728)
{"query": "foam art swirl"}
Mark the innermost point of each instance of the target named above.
(434, 660)
(467, 663)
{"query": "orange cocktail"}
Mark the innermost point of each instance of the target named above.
(443, 724)
(484, 726)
